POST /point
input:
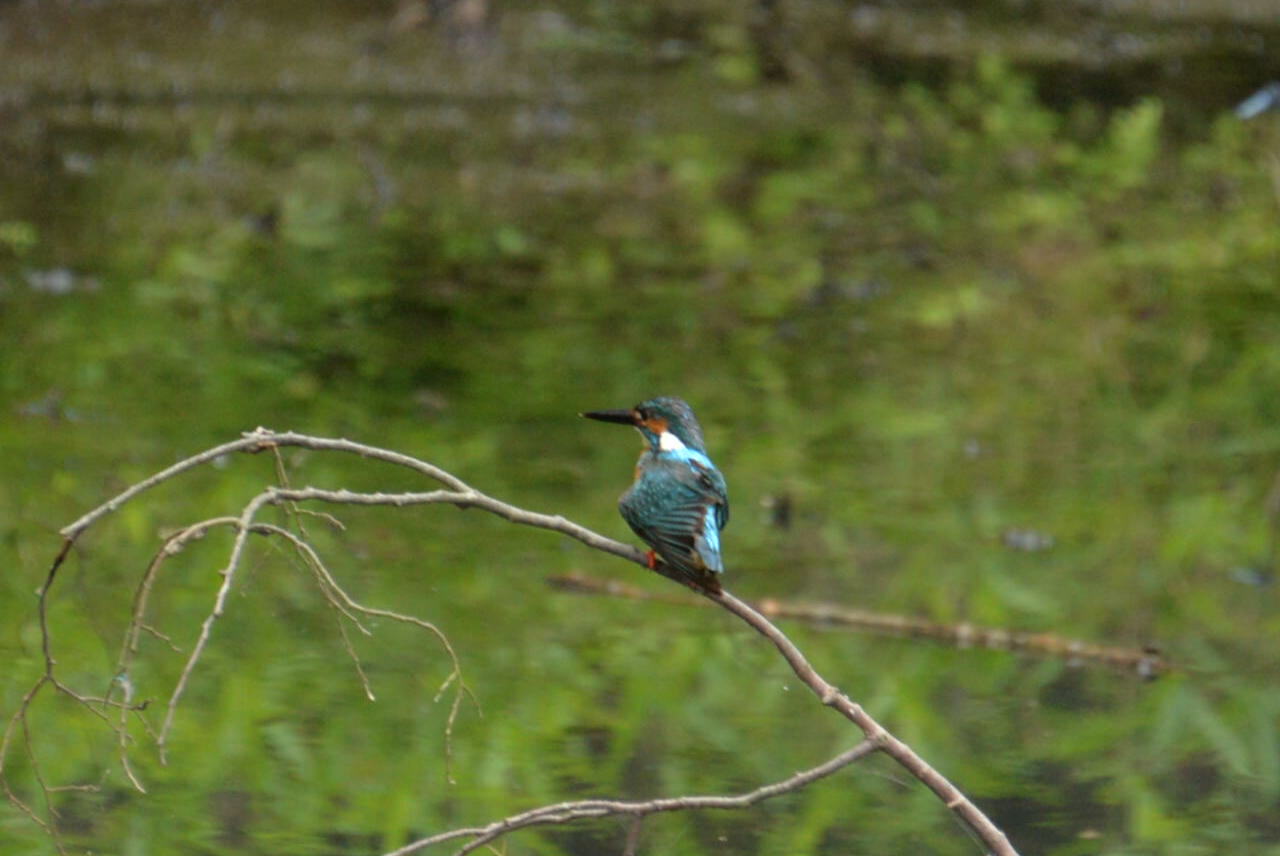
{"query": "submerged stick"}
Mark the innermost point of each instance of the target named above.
(1146, 663)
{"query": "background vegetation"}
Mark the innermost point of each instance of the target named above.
(943, 286)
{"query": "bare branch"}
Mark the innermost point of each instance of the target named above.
(567, 811)
(458, 493)
(950, 795)
(1144, 662)
(260, 440)
(466, 497)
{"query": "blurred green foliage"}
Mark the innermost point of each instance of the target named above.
(921, 316)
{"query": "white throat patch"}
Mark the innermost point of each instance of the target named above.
(668, 442)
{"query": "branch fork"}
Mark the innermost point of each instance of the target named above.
(452, 491)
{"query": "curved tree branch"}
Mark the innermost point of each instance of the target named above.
(456, 492)
(566, 811)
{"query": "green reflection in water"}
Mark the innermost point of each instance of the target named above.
(920, 319)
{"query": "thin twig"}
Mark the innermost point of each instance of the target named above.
(260, 440)
(566, 811)
(338, 598)
(633, 836)
(243, 528)
(1144, 662)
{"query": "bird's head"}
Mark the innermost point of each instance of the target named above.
(667, 423)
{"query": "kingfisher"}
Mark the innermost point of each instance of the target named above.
(678, 503)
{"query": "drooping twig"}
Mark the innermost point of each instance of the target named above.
(243, 525)
(1144, 662)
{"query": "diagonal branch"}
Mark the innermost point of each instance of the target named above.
(567, 811)
(950, 795)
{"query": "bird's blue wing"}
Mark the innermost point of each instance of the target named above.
(714, 482)
(708, 481)
(678, 507)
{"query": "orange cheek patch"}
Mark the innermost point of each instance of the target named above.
(656, 424)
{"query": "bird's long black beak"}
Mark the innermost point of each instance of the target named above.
(622, 417)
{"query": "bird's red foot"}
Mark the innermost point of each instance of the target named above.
(651, 559)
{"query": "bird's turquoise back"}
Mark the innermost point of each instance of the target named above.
(678, 505)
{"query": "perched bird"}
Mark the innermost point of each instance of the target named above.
(678, 503)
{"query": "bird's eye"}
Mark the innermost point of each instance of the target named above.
(643, 414)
